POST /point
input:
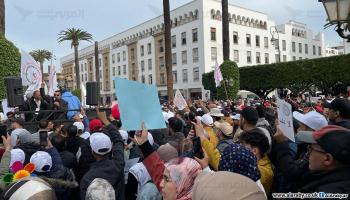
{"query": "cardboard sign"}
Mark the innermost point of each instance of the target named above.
(179, 100)
(138, 103)
(285, 118)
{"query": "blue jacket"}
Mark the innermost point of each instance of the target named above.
(73, 103)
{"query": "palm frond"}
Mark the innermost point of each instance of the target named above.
(74, 35)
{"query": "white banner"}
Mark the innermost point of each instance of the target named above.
(52, 80)
(206, 95)
(179, 100)
(285, 118)
(83, 94)
(5, 108)
(30, 72)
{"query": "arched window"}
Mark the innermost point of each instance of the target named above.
(212, 12)
(191, 15)
(196, 13)
(218, 15)
(238, 19)
(176, 21)
(243, 21)
(234, 18)
(265, 25)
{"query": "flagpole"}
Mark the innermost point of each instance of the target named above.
(225, 89)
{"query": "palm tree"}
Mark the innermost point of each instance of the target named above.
(167, 40)
(75, 35)
(40, 55)
(2, 17)
(225, 30)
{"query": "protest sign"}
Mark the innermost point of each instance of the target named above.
(285, 118)
(138, 103)
(179, 100)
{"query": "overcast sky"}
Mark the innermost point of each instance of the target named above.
(35, 24)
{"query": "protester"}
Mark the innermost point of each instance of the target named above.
(43, 127)
(208, 124)
(339, 112)
(17, 130)
(175, 136)
(35, 103)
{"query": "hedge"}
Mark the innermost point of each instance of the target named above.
(10, 60)
(323, 73)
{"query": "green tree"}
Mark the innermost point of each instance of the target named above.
(40, 55)
(230, 74)
(10, 60)
(2, 17)
(75, 36)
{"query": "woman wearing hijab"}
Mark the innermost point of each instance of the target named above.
(175, 179)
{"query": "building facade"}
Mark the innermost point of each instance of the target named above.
(138, 53)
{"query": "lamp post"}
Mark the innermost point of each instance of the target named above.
(275, 37)
(338, 12)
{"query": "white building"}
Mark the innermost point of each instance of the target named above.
(138, 53)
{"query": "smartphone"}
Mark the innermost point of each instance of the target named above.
(197, 148)
(43, 138)
(108, 112)
(3, 131)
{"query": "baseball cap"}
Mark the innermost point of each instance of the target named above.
(339, 104)
(311, 119)
(79, 125)
(207, 120)
(17, 155)
(334, 140)
(95, 125)
(250, 114)
(224, 127)
(100, 143)
(42, 161)
(216, 112)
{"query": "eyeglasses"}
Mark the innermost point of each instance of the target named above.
(57, 95)
(166, 179)
(310, 149)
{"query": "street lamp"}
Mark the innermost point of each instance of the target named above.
(275, 37)
(338, 12)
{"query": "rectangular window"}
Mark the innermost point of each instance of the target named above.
(149, 64)
(174, 76)
(132, 51)
(258, 57)
(235, 37)
(149, 48)
(174, 59)
(81, 68)
(150, 79)
(162, 78)
(249, 57)
(184, 76)
(294, 58)
(184, 57)
(142, 65)
(99, 62)
(161, 62)
(314, 49)
(85, 67)
(118, 57)
(213, 34)
(119, 71)
(124, 56)
(293, 46)
(161, 47)
(300, 48)
(113, 71)
(195, 74)
(284, 58)
(248, 39)
(113, 58)
(124, 69)
(183, 38)
(266, 42)
(277, 44)
(284, 45)
(173, 41)
(236, 56)
(213, 54)
(257, 41)
(143, 78)
(195, 55)
(194, 35)
(142, 49)
(277, 58)
(267, 58)
(306, 49)
(319, 51)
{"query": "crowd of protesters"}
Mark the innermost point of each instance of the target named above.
(209, 150)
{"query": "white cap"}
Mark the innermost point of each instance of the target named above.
(167, 116)
(236, 117)
(79, 125)
(207, 120)
(125, 136)
(42, 161)
(216, 112)
(17, 155)
(100, 143)
(312, 119)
